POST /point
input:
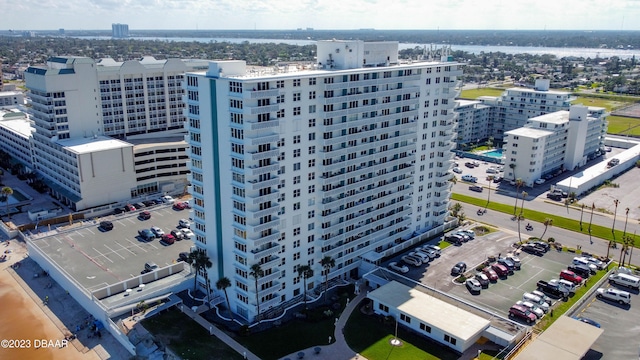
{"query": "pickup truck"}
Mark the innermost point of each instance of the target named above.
(552, 290)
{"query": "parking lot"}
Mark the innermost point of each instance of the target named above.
(619, 322)
(96, 258)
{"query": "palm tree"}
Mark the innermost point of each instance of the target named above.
(257, 272)
(306, 272)
(490, 179)
(615, 213)
(199, 260)
(581, 213)
(547, 222)
(512, 166)
(327, 263)
(519, 218)
(625, 221)
(223, 284)
(456, 210)
(6, 192)
(524, 196)
(519, 183)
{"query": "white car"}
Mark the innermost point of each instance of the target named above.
(469, 178)
(599, 264)
(187, 233)
(157, 231)
(492, 170)
(457, 170)
(474, 285)
(619, 296)
(422, 256)
(430, 253)
(167, 199)
(562, 283)
(184, 223)
(583, 261)
(532, 307)
(411, 260)
(403, 269)
(540, 181)
(435, 248)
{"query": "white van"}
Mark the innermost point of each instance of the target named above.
(566, 284)
(625, 280)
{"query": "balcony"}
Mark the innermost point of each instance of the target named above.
(261, 155)
(258, 199)
(273, 210)
(255, 125)
(256, 94)
(275, 236)
(260, 170)
(273, 248)
(260, 138)
(263, 109)
(274, 223)
(257, 185)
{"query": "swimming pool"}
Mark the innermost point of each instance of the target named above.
(496, 153)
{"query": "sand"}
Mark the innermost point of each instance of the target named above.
(25, 324)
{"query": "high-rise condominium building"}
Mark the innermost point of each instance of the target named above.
(343, 159)
(87, 105)
(119, 31)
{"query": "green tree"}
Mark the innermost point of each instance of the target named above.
(519, 183)
(223, 284)
(257, 272)
(6, 192)
(547, 222)
(327, 263)
(199, 260)
(306, 272)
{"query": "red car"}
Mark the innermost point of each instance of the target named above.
(179, 206)
(490, 274)
(500, 269)
(168, 239)
(570, 276)
(521, 312)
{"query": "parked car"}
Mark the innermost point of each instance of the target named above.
(532, 249)
(624, 270)
(146, 234)
(552, 289)
(106, 225)
(183, 256)
(429, 252)
(473, 285)
(457, 170)
(187, 233)
(463, 236)
(501, 270)
(179, 206)
(168, 239)
(611, 294)
(521, 312)
(148, 203)
(184, 223)
(454, 239)
(587, 321)
(570, 276)
(129, 207)
(613, 162)
(469, 164)
(167, 199)
(138, 206)
(539, 301)
(459, 268)
(177, 234)
(599, 264)
(468, 232)
(157, 231)
(497, 179)
(411, 260)
(543, 297)
(581, 270)
(537, 311)
(554, 196)
(433, 247)
(539, 181)
(542, 245)
(420, 255)
(566, 284)
(629, 281)
(584, 262)
(469, 178)
(403, 269)
(492, 170)
(476, 188)
(515, 260)
(150, 266)
(507, 263)
(483, 279)
(144, 215)
(118, 211)
(492, 275)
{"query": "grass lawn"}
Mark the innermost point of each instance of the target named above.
(475, 93)
(599, 102)
(598, 231)
(186, 338)
(369, 336)
(621, 124)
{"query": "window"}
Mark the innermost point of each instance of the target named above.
(384, 308)
(296, 139)
(312, 81)
(296, 96)
(296, 110)
(296, 82)
(312, 109)
(312, 162)
(296, 179)
(312, 150)
(450, 339)
(312, 95)
(405, 318)
(280, 99)
(296, 166)
(425, 328)
(296, 232)
(311, 189)
(280, 84)
(296, 192)
(312, 122)
(311, 214)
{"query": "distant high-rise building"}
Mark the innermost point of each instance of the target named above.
(345, 159)
(119, 30)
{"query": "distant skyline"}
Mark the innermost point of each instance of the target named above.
(322, 14)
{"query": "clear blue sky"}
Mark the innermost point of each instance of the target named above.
(323, 14)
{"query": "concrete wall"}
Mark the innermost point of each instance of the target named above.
(135, 282)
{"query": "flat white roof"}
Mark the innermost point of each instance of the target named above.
(529, 132)
(21, 127)
(528, 90)
(437, 313)
(467, 102)
(598, 169)
(93, 144)
(566, 339)
(556, 117)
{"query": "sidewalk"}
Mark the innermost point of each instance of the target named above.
(339, 350)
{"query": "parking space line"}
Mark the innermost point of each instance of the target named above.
(113, 251)
(126, 248)
(79, 233)
(101, 254)
(136, 245)
(89, 230)
(153, 246)
(131, 220)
